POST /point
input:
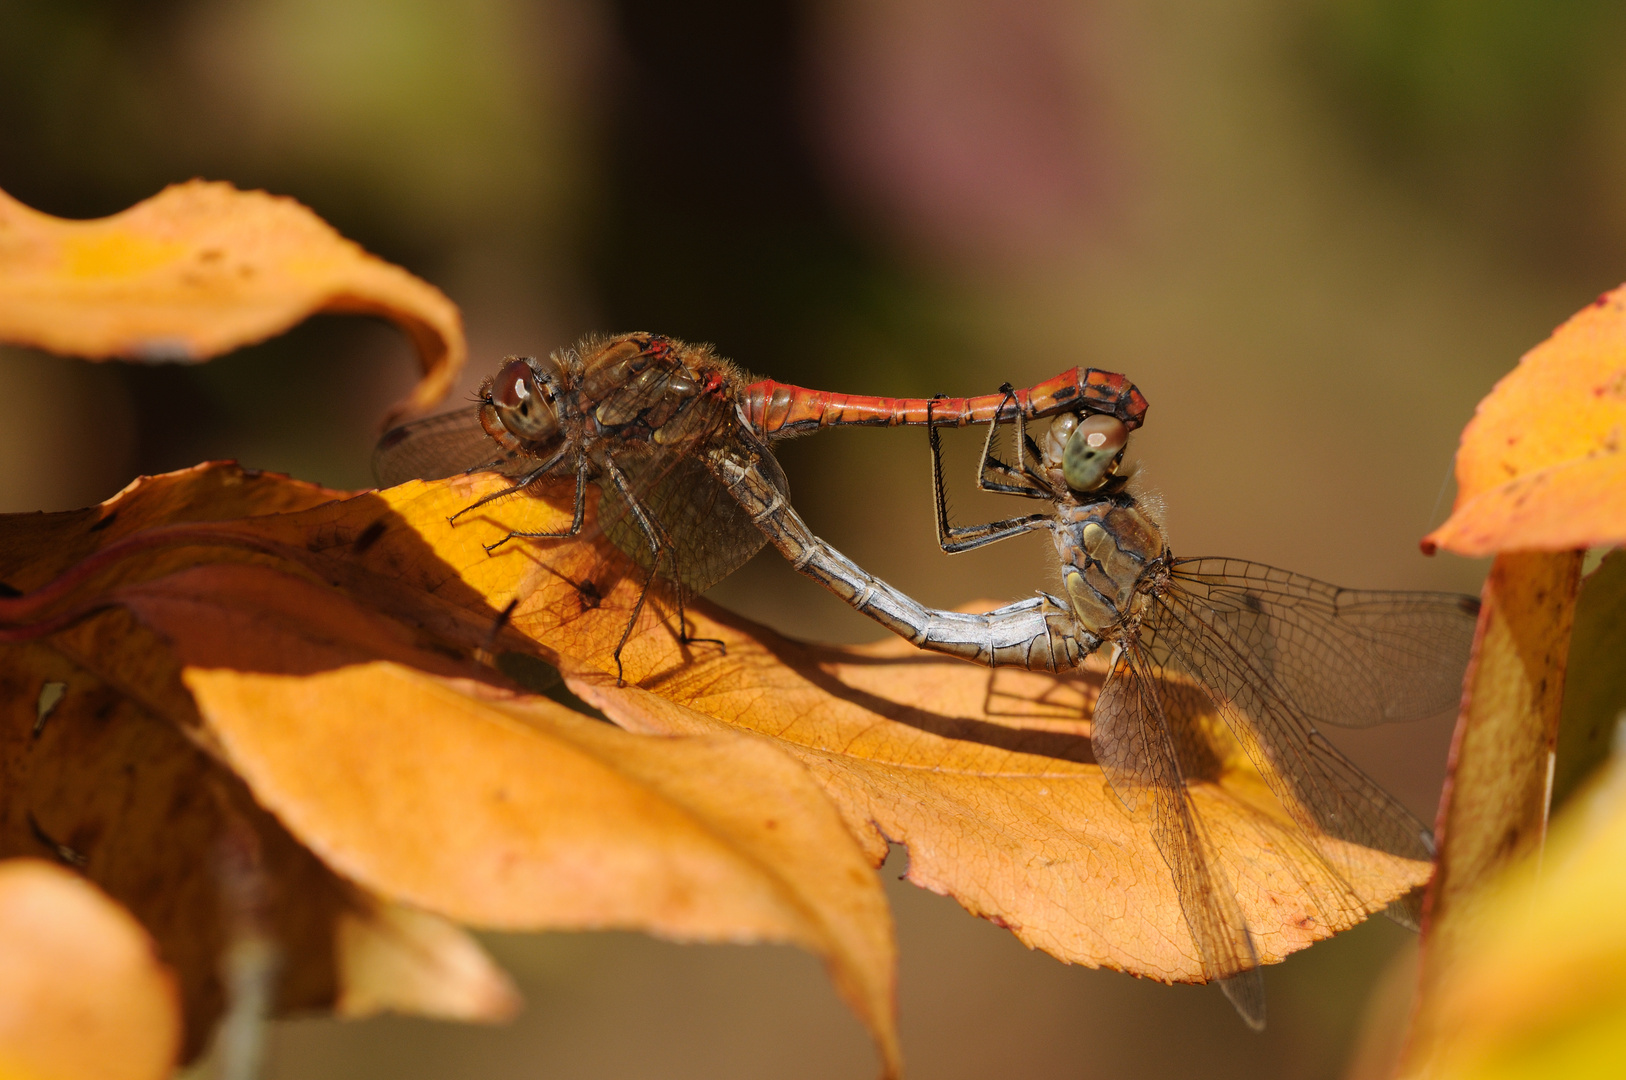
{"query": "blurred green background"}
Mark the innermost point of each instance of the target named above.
(1313, 233)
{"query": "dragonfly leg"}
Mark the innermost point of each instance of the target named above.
(954, 539)
(992, 469)
(1022, 478)
(683, 630)
(659, 545)
(518, 485)
(678, 591)
(575, 522)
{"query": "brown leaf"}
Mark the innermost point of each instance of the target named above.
(198, 270)
(1541, 466)
(35, 548)
(428, 781)
(102, 782)
(82, 994)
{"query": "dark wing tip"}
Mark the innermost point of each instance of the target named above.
(1246, 991)
(1407, 910)
(393, 438)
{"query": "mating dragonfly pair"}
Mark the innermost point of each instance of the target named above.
(678, 442)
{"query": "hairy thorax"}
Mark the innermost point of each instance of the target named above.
(1112, 551)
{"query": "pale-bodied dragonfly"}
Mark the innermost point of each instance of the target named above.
(1275, 653)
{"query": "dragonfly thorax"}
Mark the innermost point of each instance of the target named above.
(1108, 548)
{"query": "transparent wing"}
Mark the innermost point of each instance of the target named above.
(1347, 657)
(1323, 789)
(441, 446)
(709, 533)
(1141, 754)
(659, 412)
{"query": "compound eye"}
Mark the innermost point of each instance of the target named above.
(523, 406)
(1094, 449)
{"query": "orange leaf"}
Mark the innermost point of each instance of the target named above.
(1539, 470)
(1017, 823)
(989, 783)
(506, 811)
(82, 994)
(1541, 466)
(91, 775)
(986, 777)
(425, 780)
(198, 270)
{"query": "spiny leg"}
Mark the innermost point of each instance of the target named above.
(678, 593)
(659, 545)
(1022, 478)
(582, 469)
(954, 539)
(518, 485)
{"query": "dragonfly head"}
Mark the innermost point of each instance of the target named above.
(1086, 451)
(524, 396)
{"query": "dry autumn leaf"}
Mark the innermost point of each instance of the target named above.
(1541, 466)
(200, 269)
(422, 779)
(1007, 813)
(395, 958)
(83, 996)
(94, 778)
(1494, 807)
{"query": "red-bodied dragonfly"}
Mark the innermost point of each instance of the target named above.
(677, 441)
(1275, 653)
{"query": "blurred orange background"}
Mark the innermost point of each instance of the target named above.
(1313, 234)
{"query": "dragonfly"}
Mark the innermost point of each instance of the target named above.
(1275, 653)
(676, 439)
